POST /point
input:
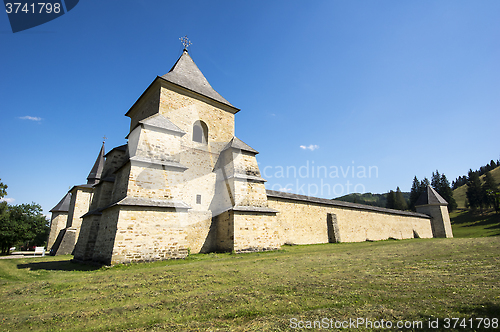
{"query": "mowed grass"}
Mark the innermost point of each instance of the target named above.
(391, 280)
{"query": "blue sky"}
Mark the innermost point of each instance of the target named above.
(398, 88)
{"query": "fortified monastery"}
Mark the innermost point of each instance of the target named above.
(185, 183)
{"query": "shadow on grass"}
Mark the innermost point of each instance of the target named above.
(474, 318)
(476, 218)
(58, 266)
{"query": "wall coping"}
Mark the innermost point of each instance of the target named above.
(331, 202)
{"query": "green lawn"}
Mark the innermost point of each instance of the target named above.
(469, 224)
(413, 280)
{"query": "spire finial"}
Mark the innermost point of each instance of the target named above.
(104, 138)
(186, 42)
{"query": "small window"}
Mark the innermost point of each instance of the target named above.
(200, 132)
(198, 199)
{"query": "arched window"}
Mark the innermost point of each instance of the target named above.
(200, 132)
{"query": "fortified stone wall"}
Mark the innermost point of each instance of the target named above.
(304, 220)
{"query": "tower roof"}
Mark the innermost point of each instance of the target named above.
(63, 205)
(186, 74)
(96, 172)
(430, 197)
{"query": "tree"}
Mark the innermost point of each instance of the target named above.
(3, 189)
(474, 191)
(446, 192)
(22, 224)
(424, 183)
(400, 201)
(391, 200)
(414, 193)
(436, 181)
(489, 188)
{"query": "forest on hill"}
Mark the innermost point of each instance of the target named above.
(479, 190)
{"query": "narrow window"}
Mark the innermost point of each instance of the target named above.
(198, 199)
(200, 132)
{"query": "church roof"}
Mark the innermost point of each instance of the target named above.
(430, 197)
(63, 205)
(236, 143)
(186, 74)
(118, 148)
(96, 172)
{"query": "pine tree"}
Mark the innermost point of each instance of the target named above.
(391, 200)
(400, 201)
(489, 190)
(447, 193)
(414, 193)
(424, 183)
(436, 181)
(474, 191)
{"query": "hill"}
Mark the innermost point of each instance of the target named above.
(459, 193)
(379, 200)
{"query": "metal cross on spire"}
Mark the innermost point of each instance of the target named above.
(104, 139)
(186, 42)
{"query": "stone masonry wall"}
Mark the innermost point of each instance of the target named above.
(255, 231)
(57, 223)
(148, 234)
(105, 240)
(441, 224)
(225, 231)
(79, 205)
(302, 222)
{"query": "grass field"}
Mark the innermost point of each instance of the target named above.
(469, 224)
(413, 280)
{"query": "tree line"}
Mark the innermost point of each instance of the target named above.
(482, 195)
(21, 225)
(396, 200)
(461, 180)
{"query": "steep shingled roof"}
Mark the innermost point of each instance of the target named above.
(96, 172)
(430, 197)
(186, 74)
(63, 205)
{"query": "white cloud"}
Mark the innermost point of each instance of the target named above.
(32, 118)
(311, 147)
(8, 200)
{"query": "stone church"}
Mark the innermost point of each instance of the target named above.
(185, 183)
